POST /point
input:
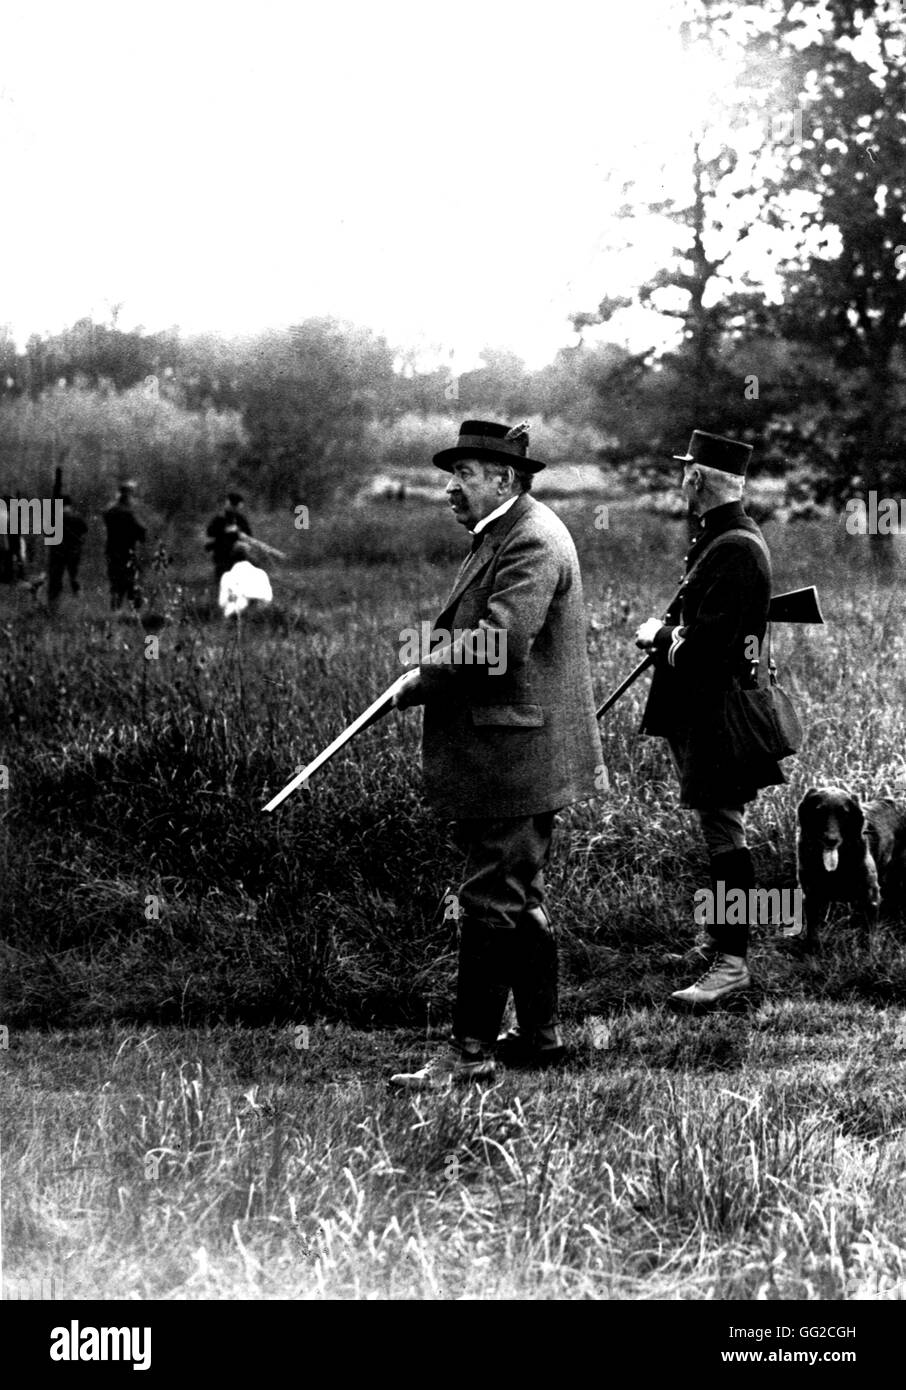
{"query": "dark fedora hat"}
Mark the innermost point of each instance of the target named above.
(714, 451)
(490, 443)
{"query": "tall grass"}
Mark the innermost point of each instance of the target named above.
(157, 1145)
(226, 1163)
(142, 880)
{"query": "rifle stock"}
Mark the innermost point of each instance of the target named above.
(797, 606)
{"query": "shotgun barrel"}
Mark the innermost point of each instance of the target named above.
(374, 712)
(621, 689)
(263, 546)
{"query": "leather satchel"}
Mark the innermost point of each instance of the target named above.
(760, 719)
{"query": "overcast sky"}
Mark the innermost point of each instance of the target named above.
(444, 173)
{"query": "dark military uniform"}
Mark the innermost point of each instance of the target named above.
(124, 532)
(701, 650)
(66, 557)
(224, 532)
(13, 555)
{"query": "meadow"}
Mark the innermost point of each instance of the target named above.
(203, 1001)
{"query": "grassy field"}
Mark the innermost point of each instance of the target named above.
(165, 945)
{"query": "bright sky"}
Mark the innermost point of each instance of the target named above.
(446, 174)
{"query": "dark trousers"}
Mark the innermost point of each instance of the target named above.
(122, 571)
(505, 936)
(57, 569)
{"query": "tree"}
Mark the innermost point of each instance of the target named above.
(501, 387)
(307, 397)
(846, 283)
(730, 188)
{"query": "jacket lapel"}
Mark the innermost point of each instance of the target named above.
(491, 541)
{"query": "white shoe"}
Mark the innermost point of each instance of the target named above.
(727, 975)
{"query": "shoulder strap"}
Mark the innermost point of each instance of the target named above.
(736, 533)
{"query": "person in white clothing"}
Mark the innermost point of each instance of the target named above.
(242, 584)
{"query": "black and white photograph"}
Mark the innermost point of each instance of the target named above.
(453, 665)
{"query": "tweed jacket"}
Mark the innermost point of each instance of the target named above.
(523, 739)
(700, 651)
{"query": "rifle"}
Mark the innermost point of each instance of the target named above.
(262, 545)
(796, 606)
(374, 712)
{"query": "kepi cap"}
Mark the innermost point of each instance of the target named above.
(715, 451)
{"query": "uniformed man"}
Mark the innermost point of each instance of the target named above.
(708, 641)
(225, 530)
(66, 557)
(509, 738)
(124, 534)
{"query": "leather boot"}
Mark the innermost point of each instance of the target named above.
(536, 1040)
(700, 954)
(483, 980)
(727, 972)
(735, 870)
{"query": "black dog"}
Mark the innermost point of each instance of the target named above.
(848, 853)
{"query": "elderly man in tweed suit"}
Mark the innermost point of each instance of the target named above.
(505, 745)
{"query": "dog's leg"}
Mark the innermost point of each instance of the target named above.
(872, 904)
(814, 910)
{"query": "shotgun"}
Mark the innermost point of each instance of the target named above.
(797, 606)
(374, 712)
(262, 545)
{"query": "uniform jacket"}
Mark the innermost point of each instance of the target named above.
(700, 652)
(124, 530)
(525, 740)
(224, 531)
(74, 529)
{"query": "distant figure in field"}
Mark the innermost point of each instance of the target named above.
(242, 584)
(124, 533)
(225, 530)
(13, 554)
(66, 557)
(6, 558)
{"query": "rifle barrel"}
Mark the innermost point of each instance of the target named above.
(621, 689)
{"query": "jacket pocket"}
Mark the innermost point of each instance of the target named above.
(509, 716)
